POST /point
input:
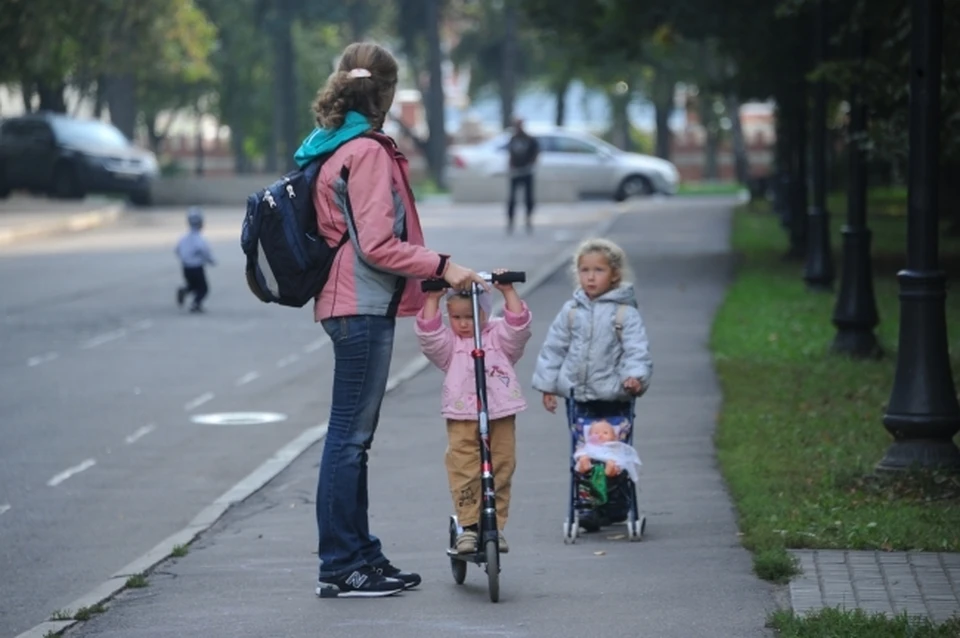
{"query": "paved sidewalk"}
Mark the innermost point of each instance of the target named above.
(253, 573)
(25, 218)
(891, 583)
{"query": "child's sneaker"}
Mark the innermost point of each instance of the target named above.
(181, 295)
(466, 542)
(365, 582)
(502, 542)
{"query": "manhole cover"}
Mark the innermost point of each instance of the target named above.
(238, 418)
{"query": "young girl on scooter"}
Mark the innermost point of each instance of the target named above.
(449, 348)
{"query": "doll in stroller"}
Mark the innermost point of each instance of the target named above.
(603, 469)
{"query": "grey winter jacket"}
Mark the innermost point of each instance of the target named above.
(587, 360)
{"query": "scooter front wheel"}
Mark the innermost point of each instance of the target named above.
(492, 551)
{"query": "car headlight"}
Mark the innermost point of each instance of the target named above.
(150, 163)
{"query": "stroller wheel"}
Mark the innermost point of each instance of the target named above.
(635, 529)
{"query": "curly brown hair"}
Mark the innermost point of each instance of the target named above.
(372, 96)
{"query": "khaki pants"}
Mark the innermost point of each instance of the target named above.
(463, 467)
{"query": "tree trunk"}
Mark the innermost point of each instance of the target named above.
(436, 120)
(741, 160)
(285, 102)
(241, 163)
(620, 128)
(708, 119)
(26, 95)
(199, 149)
(51, 97)
(508, 63)
(560, 95)
(121, 94)
(357, 19)
(663, 107)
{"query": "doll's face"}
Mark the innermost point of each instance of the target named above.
(602, 432)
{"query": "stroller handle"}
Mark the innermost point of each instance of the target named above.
(507, 277)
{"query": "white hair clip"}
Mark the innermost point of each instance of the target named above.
(359, 73)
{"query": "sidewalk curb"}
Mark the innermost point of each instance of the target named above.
(269, 469)
(70, 224)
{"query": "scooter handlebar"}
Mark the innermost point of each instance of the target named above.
(506, 277)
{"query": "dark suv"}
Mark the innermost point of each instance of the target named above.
(69, 158)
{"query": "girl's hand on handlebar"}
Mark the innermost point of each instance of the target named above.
(435, 295)
(499, 286)
(550, 402)
(460, 278)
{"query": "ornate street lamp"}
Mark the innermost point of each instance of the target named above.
(855, 313)
(819, 267)
(923, 414)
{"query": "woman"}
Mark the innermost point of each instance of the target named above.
(363, 198)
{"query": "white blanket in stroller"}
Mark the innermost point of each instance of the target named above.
(619, 452)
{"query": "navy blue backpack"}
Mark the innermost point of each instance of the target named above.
(288, 262)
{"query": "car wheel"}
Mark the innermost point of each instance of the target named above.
(634, 186)
(4, 185)
(65, 183)
(141, 198)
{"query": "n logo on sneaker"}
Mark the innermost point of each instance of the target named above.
(356, 580)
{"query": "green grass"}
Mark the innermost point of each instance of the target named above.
(137, 581)
(425, 187)
(801, 430)
(62, 614)
(709, 188)
(179, 551)
(86, 613)
(832, 623)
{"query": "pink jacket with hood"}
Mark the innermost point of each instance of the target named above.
(503, 343)
(363, 189)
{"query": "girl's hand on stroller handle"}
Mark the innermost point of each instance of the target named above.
(503, 277)
(550, 402)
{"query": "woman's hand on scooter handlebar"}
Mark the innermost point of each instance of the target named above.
(460, 278)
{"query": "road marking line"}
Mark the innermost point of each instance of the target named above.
(106, 337)
(316, 345)
(4, 508)
(200, 400)
(248, 377)
(70, 471)
(142, 432)
(143, 325)
(43, 358)
(283, 363)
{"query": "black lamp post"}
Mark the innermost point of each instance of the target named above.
(923, 414)
(819, 272)
(798, 182)
(855, 313)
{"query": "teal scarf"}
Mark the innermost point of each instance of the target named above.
(322, 141)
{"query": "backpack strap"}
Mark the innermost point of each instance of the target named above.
(618, 321)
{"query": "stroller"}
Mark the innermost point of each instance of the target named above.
(596, 500)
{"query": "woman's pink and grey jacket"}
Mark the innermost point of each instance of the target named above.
(363, 189)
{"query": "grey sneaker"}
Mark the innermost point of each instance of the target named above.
(466, 542)
(502, 542)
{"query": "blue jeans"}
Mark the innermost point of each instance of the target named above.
(362, 347)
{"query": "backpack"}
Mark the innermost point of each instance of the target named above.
(288, 262)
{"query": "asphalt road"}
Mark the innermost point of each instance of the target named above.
(101, 375)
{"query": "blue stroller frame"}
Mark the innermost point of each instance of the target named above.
(579, 416)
